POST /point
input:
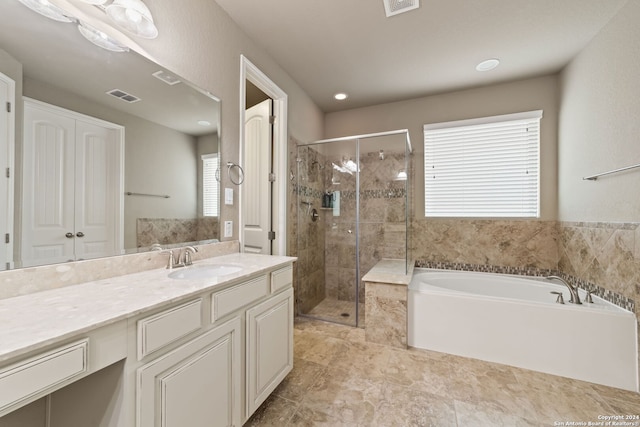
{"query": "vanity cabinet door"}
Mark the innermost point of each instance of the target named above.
(196, 385)
(269, 347)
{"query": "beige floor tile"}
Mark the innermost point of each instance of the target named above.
(404, 406)
(341, 380)
(488, 414)
(275, 411)
(304, 374)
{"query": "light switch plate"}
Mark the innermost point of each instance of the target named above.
(228, 228)
(228, 196)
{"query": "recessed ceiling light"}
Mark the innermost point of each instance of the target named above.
(204, 123)
(340, 96)
(488, 65)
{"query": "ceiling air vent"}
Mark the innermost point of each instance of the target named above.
(166, 77)
(394, 7)
(127, 97)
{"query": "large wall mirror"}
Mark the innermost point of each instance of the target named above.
(168, 192)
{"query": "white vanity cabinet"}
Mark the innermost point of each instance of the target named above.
(269, 347)
(196, 385)
(180, 354)
(211, 361)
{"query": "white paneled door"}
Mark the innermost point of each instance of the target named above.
(7, 132)
(257, 187)
(72, 186)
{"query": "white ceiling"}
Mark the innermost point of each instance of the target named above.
(329, 46)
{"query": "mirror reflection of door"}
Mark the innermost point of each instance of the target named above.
(7, 101)
(257, 190)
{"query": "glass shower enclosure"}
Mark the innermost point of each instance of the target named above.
(352, 211)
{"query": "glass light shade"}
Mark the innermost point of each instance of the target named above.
(133, 16)
(44, 8)
(101, 39)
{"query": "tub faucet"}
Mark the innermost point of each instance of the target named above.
(573, 290)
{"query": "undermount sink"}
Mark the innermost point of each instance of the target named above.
(204, 271)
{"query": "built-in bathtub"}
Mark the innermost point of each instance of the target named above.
(516, 321)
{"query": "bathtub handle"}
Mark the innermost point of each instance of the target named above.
(560, 299)
(588, 298)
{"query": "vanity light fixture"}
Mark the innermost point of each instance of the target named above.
(100, 39)
(133, 16)
(488, 65)
(341, 96)
(45, 8)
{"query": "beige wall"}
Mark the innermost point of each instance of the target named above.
(525, 95)
(200, 42)
(599, 124)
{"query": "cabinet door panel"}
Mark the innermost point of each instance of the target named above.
(269, 346)
(196, 385)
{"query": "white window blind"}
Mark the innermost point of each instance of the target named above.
(210, 187)
(486, 167)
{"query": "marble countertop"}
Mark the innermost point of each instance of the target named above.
(33, 321)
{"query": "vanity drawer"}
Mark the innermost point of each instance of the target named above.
(27, 378)
(281, 279)
(168, 326)
(229, 300)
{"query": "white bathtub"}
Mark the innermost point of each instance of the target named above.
(516, 321)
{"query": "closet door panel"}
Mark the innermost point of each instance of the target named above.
(97, 204)
(48, 187)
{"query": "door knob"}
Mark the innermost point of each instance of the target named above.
(69, 235)
(80, 234)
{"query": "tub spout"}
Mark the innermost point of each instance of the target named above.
(573, 290)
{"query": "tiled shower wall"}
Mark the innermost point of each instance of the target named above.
(382, 222)
(307, 236)
(326, 248)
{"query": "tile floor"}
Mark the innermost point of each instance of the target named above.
(333, 310)
(340, 380)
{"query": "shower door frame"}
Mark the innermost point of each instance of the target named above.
(357, 139)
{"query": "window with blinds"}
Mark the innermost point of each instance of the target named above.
(210, 187)
(487, 167)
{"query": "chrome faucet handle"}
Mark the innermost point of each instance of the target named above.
(172, 260)
(187, 260)
(588, 298)
(560, 299)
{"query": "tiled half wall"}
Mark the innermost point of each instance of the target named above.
(601, 257)
(150, 231)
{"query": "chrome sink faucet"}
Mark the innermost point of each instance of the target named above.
(183, 259)
(573, 290)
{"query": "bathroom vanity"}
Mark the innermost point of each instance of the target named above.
(146, 349)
